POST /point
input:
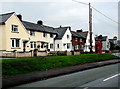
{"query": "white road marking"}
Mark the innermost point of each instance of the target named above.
(111, 77)
(85, 88)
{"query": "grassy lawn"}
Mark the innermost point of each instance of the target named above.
(26, 65)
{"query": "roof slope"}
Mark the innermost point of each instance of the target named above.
(37, 27)
(83, 34)
(61, 31)
(5, 17)
(76, 34)
(104, 38)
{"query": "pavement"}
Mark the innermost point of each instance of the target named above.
(37, 76)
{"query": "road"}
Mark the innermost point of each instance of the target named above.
(106, 76)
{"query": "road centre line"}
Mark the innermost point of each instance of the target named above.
(85, 88)
(111, 77)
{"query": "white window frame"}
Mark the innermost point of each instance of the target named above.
(80, 40)
(14, 44)
(68, 45)
(33, 44)
(44, 34)
(76, 39)
(58, 46)
(68, 36)
(14, 28)
(51, 46)
(51, 35)
(32, 33)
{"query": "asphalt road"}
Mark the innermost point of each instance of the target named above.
(106, 76)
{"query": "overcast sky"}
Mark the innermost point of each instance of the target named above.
(67, 13)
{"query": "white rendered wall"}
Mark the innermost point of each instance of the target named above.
(87, 44)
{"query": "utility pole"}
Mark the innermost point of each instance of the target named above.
(90, 28)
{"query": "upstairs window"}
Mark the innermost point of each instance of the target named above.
(68, 36)
(80, 40)
(32, 33)
(51, 35)
(76, 39)
(44, 34)
(15, 43)
(14, 28)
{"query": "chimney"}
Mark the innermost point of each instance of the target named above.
(79, 30)
(60, 26)
(40, 22)
(20, 17)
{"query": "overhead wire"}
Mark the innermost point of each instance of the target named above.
(97, 11)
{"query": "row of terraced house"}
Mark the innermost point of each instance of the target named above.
(19, 38)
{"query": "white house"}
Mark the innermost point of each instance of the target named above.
(86, 38)
(105, 42)
(40, 35)
(63, 40)
(87, 44)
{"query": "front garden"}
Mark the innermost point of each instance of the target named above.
(11, 67)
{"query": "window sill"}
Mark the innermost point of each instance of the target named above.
(15, 48)
(14, 32)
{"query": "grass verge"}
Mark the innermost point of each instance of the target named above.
(17, 66)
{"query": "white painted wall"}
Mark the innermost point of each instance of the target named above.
(63, 41)
(87, 44)
(52, 42)
(60, 45)
(105, 45)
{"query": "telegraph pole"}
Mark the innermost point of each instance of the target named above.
(90, 27)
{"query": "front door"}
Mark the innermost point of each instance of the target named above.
(35, 52)
(24, 46)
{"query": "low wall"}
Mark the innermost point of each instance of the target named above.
(21, 54)
(76, 53)
(41, 53)
(31, 54)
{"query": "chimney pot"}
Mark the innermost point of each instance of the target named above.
(60, 26)
(79, 30)
(40, 22)
(20, 17)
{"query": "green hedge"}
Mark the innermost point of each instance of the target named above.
(26, 65)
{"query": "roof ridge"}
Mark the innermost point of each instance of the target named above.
(29, 22)
(36, 24)
(7, 13)
(62, 27)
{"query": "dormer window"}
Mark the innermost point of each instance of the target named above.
(14, 28)
(32, 33)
